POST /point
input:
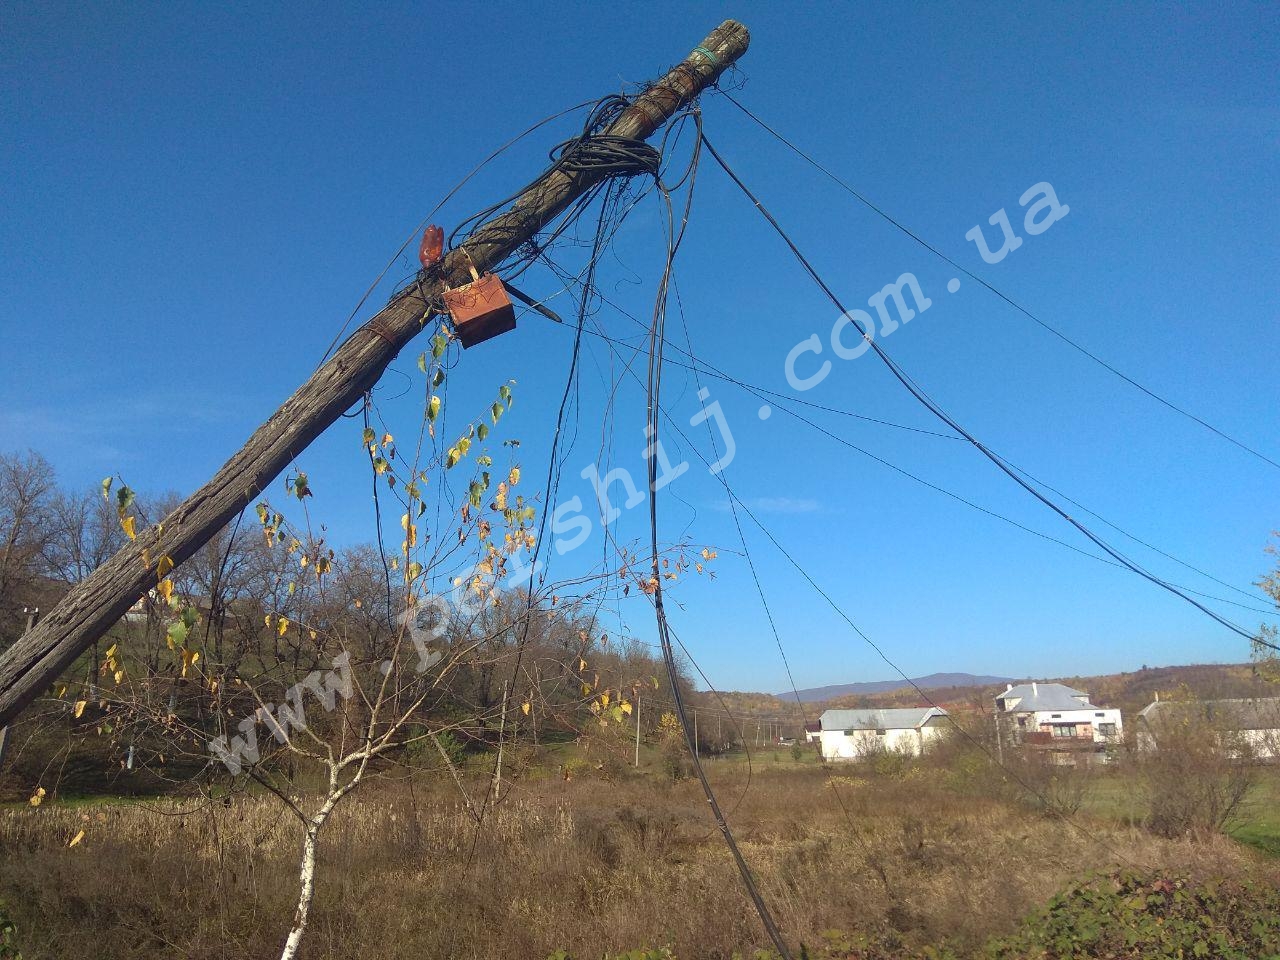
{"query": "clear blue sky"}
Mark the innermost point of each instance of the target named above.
(195, 198)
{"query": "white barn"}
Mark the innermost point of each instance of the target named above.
(855, 734)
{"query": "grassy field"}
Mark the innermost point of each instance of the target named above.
(607, 860)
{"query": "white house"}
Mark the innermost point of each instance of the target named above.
(854, 734)
(1054, 712)
(1255, 721)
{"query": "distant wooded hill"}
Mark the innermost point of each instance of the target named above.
(1129, 691)
(934, 681)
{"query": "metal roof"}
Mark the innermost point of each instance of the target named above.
(1250, 714)
(1045, 696)
(907, 718)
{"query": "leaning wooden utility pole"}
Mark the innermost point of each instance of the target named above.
(98, 602)
(33, 614)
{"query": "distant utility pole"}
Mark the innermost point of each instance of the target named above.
(101, 599)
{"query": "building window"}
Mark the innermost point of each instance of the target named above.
(879, 733)
(1107, 729)
(1064, 729)
(1099, 714)
(1056, 716)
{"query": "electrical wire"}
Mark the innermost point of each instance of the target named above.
(652, 431)
(1074, 344)
(933, 407)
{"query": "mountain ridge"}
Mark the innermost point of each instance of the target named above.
(933, 681)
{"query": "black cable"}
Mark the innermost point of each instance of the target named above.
(933, 407)
(653, 423)
(710, 370)
(783, 400)
(1010, 301)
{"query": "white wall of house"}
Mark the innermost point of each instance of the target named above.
(858, 744)
(1101, 725)
(1263, 744)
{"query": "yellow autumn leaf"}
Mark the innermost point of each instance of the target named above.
(582, 664)
(128, 524)
(514, 476)
(111, 650)
(163, 566)
(118, 676)
(165, 589)
(525, 707)
(37, 798)
(282, 627)
(79, 708)
(626, 707)
(76, 839)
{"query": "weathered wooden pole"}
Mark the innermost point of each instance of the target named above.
(33, 615)
(94, 605)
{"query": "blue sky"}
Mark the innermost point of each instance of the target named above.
(195, 199)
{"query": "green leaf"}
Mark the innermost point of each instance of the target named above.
(124, 500)
(505, 393)
(482, 431)
(178, 633)
(496, 412)
(106, 488)
(261, 510)
(438, 378)
(369, 436)
(433, 409)
(422, 362)
(438, 343)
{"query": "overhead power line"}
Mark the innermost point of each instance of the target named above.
(706, 368)
(933, 407)
(1074, 344)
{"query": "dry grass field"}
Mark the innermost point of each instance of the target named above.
(591, 866)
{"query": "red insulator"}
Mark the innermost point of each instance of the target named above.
(432, 248)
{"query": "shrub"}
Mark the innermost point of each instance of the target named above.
(1196, 773)
(1129, 916)
(8, 937)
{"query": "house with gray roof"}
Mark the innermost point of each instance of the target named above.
(1053, 714)
(857, 734)
(1251, 725)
